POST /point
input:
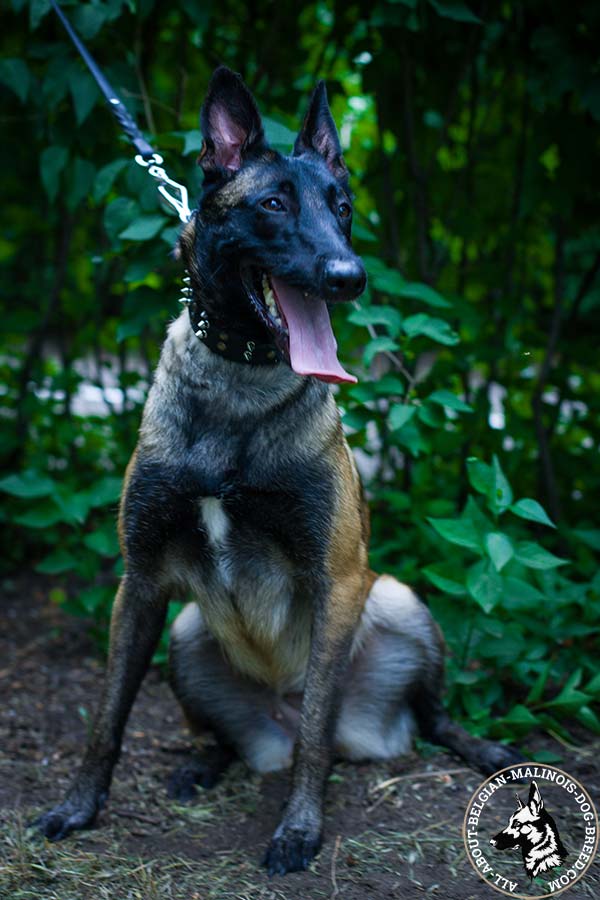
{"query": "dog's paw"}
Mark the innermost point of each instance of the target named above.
(498, 756)
(205, 771)
(69, 816)
(291, 850)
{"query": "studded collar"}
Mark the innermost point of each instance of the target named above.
(222, 339)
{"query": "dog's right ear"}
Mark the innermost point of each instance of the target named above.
(230, 124)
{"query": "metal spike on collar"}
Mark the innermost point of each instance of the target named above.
(202, 326)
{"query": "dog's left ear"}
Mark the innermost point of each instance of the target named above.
(535, 801)
(319, 134)
(230, 124)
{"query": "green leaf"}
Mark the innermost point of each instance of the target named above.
(378, 315)
(432, 415)
(520, 715)
(88, 19)
(447, 577)
(84, 92)
(589, 536)
(382, 278)
(278, 134)
(519, 594)
(192, 142)
(144, 228)
(589, 718)
(58, 562)
(418, 291)
(499, 548)
(484, 584)
(455, 9)
(81, 178)
(399, 415)
(52, 162)
(569, 700)
(472, 513)
(436, 329)
(378, 345)
(75, 505)
(447, 398)
(28, 484)
(458, 531)
(537, 690)
(361, 233)
(532, 510)
(501, 495)
(37, 10)
(15, 75)
(593, 686)
(535, 556)
(118, 214)
(42, 516)
(106, 177)
(411, 437)
(481, 476)
(106, 491)
(103, 541)
(490, 481)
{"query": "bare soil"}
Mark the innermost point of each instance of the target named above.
(402, 840)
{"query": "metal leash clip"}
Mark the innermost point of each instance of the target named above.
(179, 203)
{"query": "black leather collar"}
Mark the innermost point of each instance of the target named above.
(224, 340)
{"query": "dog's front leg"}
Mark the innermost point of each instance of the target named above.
(137, 620)
(298, 837)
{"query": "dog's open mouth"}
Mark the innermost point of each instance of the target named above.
(299, 323)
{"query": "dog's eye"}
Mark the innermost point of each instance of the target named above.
(273, 204)
(344, 210)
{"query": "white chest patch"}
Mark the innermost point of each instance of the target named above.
(214, 519)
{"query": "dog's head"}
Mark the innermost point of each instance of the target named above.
(269, 247)
(525, 828)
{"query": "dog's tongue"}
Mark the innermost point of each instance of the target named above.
(313, 348)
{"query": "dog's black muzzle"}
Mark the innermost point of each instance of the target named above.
(342, 279)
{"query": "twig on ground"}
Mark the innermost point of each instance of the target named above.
(415, 776)
(336, 851)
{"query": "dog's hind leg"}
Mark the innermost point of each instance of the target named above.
(242, 714)
(395, 683)
(436, 726)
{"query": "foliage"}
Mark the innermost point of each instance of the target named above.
(471, 133)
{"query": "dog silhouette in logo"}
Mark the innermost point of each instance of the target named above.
(532, 829)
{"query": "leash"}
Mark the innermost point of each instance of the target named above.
(175, 194)
(217, 336)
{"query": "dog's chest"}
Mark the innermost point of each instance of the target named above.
(247, 593)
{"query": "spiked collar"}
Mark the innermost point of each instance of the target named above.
(221, 338)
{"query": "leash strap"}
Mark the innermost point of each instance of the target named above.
(146, 156)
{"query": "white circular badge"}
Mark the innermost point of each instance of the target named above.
(531, 831)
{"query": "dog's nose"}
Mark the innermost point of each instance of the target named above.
(493, 842)
(344, 279)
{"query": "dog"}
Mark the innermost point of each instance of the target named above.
(532, 829)
(243, 491)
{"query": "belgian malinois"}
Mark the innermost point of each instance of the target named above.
(244, 492)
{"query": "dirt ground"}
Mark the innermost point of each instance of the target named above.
(402, 840)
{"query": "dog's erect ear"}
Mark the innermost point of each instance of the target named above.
(230, 123)
(535, 802)
(519, 804)
(319, 134)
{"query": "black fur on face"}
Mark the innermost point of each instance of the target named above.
(264, 214)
